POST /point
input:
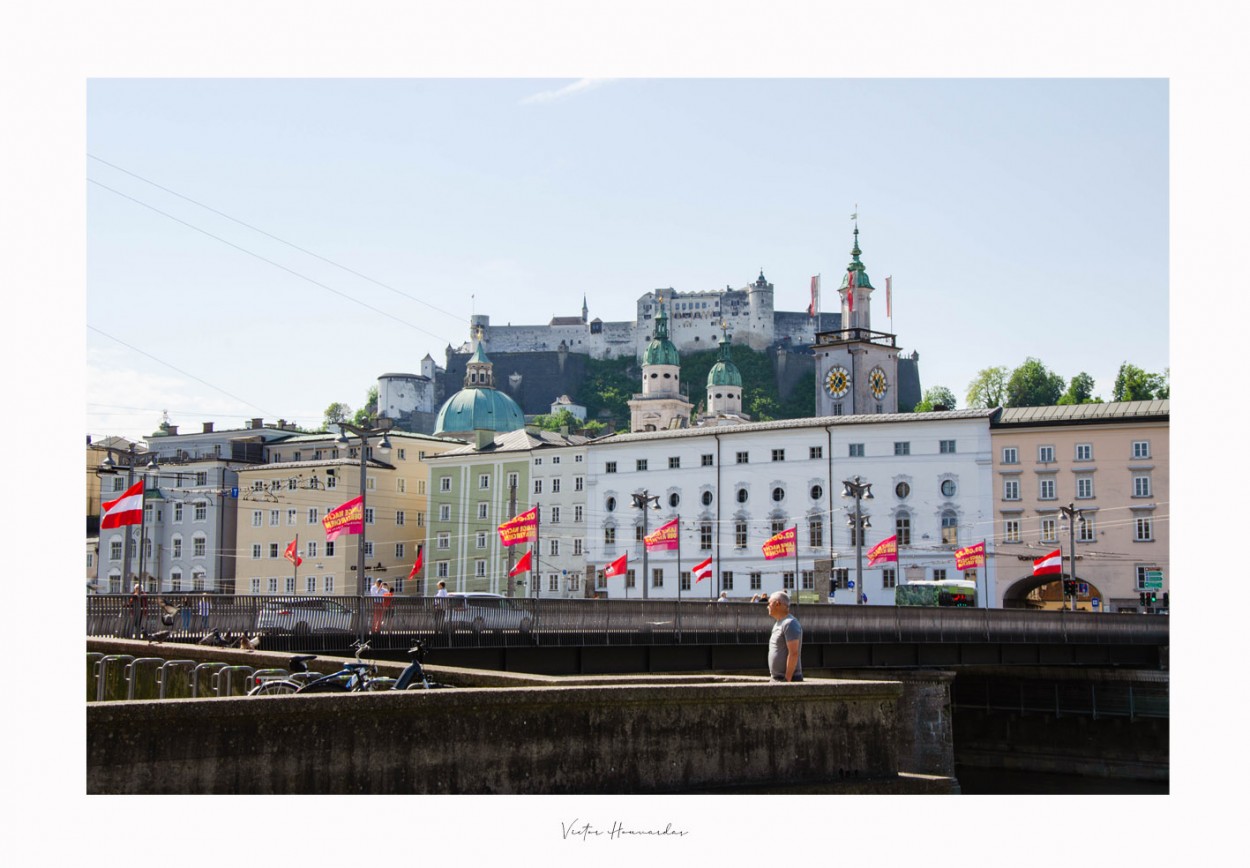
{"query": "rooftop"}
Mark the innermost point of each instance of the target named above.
(1068, 413)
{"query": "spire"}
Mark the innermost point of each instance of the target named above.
(585, 309)
(661, 320)
(861, 276)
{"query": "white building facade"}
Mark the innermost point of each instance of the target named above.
(733, 487)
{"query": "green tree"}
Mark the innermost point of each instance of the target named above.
(1033, 385)
(1134, 384)
(369, 412)
(1080, 391)
(336, 413)
(936, 396)
(555, 421)
(988, 389)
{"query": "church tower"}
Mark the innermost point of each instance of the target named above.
(856, 367)
(661, 405)
(724, 389)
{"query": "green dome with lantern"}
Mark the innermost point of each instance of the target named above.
(724, 372)
(661, 350)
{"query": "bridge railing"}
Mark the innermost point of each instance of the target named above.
(603, 622)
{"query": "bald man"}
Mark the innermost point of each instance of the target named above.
(785, 642)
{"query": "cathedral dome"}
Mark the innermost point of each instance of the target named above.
(479, 409)
(724, 372)
(479, 406)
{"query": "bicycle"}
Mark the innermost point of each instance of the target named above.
(352, 678)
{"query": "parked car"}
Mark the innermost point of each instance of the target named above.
(303, 615)
(479, 611)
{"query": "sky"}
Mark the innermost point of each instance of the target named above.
(262, 248)
(472, 163)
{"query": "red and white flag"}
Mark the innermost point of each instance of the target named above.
(814, 307)
(525, 563)
(850, 294)
(617, 567)
(292, 552)
(702, 570)
(416, 566)
(887, 295)
(127, 509)
(1048, 564)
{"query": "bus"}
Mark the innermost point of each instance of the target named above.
(944, 593)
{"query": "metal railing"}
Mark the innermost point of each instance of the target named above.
(329, 622)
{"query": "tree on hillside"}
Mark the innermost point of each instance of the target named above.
(988, 389)
(1033, 385)
(934, 397)
(1134, 384)
(336, 413)
(1080, 391)
(555, 421)
(366, 415)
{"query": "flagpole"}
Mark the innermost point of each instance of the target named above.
(797, 582)
(535, 574)
(679, 558)
(295, 565)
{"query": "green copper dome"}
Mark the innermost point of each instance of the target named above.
(661, 350)
(724, 372)
(479, 409)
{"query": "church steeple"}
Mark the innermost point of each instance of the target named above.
(585, 309)
(856, 291)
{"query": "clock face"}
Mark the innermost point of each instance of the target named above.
(878, 383)
(837, 381)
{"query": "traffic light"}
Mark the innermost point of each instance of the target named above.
(1069, 587)
(1142, 597)
(1165, 599)
(1153, 597)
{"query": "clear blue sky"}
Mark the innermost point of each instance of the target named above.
(1018, 217)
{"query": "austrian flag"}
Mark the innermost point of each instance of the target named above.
(1048, 564)
(127, 509)
(702, 570)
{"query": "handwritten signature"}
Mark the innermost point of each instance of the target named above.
(618, 830)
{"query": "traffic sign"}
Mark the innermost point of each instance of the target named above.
(1095, 602)
(1153, 580)
(851, 583)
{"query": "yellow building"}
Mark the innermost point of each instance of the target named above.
(285, 500)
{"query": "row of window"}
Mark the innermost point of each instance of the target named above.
(313, 514)
(1083, 452)
(118, 482)
(1084, 488)
(1143, 529)
(854, 450)
(199, 547)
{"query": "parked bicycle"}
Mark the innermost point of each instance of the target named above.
(352, 678)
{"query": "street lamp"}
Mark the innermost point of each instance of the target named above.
(642, 501)
(860, 490)
(109, 466)
(1072, 514)
(383, 448)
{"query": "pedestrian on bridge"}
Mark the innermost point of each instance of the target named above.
(786, 640)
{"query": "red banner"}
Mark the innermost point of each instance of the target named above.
(522, 529)
(784, 543)
(292, 552)
(618, 567)
(884, 551)
(664, 537)
(1051, 564)
(971, 556)
(348, 518)
(416, 565)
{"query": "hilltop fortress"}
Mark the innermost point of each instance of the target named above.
(537, 364)
(694, 323)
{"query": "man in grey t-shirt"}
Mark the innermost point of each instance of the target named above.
(784, 644)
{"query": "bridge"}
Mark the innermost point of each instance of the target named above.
(565, 637)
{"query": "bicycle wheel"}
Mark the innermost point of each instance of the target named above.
(273, 688)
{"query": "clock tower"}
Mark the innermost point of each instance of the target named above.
(856, 367)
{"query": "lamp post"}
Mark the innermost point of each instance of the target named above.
(109, 467)
(860, 490)
(383, 448)
(642, 501)
(1072, 514)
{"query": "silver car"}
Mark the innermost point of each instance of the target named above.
(303, 615)
(480, 611)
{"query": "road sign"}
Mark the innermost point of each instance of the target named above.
(1153, 580)
(1095, 602)
(851, 584)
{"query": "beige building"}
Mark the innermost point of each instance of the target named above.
(305, 477)
(1107, 462)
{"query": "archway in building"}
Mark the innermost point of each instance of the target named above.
(1046, 592)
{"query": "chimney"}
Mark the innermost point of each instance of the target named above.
(258, 423)
(208, 428)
